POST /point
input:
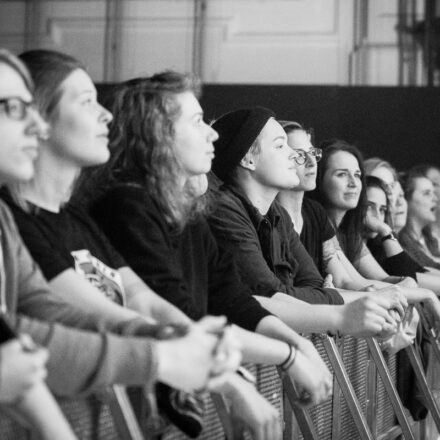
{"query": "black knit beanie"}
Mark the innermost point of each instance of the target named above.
(237, 132)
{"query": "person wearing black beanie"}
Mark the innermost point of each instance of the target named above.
(253, 159)
(239, 130)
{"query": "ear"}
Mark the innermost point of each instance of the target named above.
(248, 162)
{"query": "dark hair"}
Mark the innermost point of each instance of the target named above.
(373, 163)
(375, 182)
(350, 229)
(16, 64)
(408, 180)
(141, 142)
(49, 69)
(422, 170)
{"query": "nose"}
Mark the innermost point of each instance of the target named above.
(36, 125)
(351, 181)
(212, 134)
(310, 160)
(105, 115)
(372, 211)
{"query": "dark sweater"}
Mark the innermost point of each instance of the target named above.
(400, 264)
(316, 230)
(268, 251)
(186, 268)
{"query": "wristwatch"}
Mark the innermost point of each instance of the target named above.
(390, 236)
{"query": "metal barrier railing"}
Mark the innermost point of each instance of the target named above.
(128, 426)
(366, 424)
(125, 419)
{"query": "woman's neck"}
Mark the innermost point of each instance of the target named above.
(435, 227)
(415, 227)
(52, 184)
(292, 202)
(261, 196)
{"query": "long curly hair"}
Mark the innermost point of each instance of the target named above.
(349, 231)
(142, 143)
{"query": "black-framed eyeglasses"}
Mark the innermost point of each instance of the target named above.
(300, 156)
(16, 108)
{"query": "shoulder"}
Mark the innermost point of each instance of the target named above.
(6, 217)
(226, 204)
(314, 210)
(122, 199)
(122, 193)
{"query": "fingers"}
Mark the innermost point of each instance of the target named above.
(328, 281)
(212, 324)
(269, 428)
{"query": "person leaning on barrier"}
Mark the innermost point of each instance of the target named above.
(159, 144)
(254, 160)
(81, 360)
(341, 190)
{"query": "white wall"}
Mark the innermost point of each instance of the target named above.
(247, 41)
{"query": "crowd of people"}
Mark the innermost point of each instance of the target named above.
(143, 247)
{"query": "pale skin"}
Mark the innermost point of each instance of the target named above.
(194, 139)
(19, 148)
(19, 370)
(23, 365)
(433, 174)
(257, 178)
(54, 175)
(345, 277)
(343, 183)
(375, 221)
(77, 141)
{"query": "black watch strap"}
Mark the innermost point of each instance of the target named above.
(388, 237)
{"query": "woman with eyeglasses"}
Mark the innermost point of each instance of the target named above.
(312, 223)
(86, 353)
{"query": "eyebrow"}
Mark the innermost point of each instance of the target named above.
(80, 93)
(198, 113)
(83, 92)
(284, 138)
(346, 169)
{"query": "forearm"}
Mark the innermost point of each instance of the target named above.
(429, 281)
(158, 308)
(352, 295)
(415, 295)
(258, 348)
(301, 316)
(86, 362)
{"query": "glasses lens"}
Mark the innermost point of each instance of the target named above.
(16, 108)
(300, 157)
(317, 152)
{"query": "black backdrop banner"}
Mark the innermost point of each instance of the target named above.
(399, 124)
